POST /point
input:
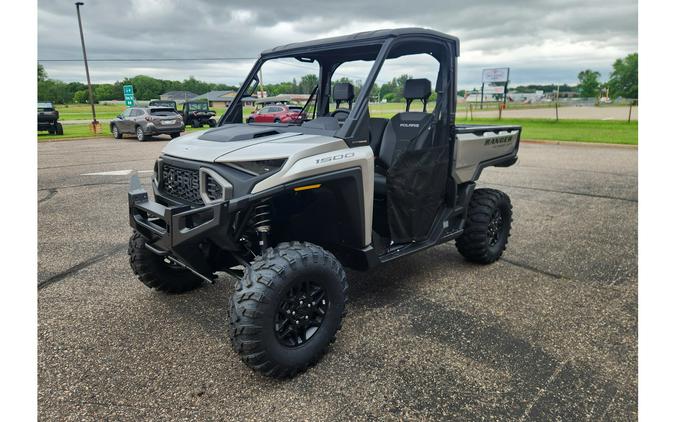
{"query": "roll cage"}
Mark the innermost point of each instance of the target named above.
(375, 46)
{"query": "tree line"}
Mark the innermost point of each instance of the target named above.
(145, 88)
(622, 82)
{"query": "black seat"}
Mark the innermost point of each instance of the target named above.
(403, 129)
(342, 91)
(376, 130)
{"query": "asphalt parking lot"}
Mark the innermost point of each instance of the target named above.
(547, 333)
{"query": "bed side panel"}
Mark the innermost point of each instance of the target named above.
(474, 150)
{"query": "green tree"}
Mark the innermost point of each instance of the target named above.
(41, 73)
(589, 85)
(307, 83)
(393, 91)
(54, 91)
(105, 92)
(81, 97)
(623, 81)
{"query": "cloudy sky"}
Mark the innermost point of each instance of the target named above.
(544, 41)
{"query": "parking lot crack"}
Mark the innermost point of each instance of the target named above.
(84, 185)
(50, 194)
(80, 266)
(531, 268)
(590, 195)
(541, 391)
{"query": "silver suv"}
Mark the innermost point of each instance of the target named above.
(147, 121)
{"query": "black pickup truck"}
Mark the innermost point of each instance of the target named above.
(48, 119)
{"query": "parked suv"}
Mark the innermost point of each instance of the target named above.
(279, 113)
(147, 121)
(48, 119)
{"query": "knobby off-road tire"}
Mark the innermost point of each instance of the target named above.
(196, 124)
(174, 135)
(59, 129)
(268, 299)
(488, 226)
(155, 273)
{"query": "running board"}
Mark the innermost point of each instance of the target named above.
(439, 234)
(413, 247)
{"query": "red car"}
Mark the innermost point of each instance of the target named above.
(278, 113)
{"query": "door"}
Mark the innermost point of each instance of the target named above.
(123, 124)
(135, 119)
(264, 115)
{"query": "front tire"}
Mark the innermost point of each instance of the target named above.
(174, 135)
(287, 308)
(196, 124)
(156, 273)
(487, 228)
(59, 129)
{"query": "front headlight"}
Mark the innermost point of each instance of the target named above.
(257, 168)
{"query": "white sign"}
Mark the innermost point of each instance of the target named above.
(500, 74)
(490, 89)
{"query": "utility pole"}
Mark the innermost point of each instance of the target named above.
(94, 122)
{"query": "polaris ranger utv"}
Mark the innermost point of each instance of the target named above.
(285, 207)
(197, 114)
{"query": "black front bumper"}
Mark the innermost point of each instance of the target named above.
(173, 228)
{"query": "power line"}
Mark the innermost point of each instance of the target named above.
(153, 59)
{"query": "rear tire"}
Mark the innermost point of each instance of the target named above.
(292, 280)
(250, 120)
(174, 135)
(139, 134)
(212, 123)
(116, 132)
(277, 121)
(488, 227)
(59, 129)
(157, 274)
(196, 124)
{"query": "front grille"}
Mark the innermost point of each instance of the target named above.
(213, 189)
(181, 183)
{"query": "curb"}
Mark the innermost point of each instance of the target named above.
(583, 144)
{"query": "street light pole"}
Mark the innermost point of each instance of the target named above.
(86, 65)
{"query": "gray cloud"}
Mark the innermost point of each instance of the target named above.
(542, 41)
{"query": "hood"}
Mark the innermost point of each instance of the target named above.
(209, 145)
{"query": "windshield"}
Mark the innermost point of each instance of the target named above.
(198, 106)
(162, 112)
(280, 82)
(163, 104)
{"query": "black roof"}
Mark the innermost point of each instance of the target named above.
(373, 37)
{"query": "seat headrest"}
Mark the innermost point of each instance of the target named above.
(343, 91)
(417, 89)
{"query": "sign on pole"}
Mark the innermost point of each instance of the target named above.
(500, 74)
(129, 98)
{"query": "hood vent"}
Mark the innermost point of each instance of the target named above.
(234, 133)
(267, 133)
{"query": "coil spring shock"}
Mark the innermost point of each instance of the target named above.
(261, 222)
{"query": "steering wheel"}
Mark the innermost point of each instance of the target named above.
(337, 111)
